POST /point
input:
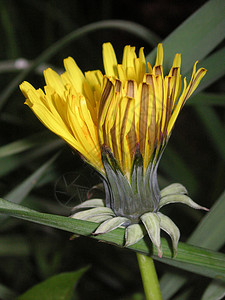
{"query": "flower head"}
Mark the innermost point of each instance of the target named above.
(120, 123)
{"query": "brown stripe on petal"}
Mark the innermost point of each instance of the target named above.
(130, 89)
(158, 70)
(162, 100)
(132, 138)
(169, 106)
(114, 143)
(174, 73)
(106, 92)
(149, 80)
(143, 119)
(105, 137)
(122, 132)
(151, 136)
(118, 86)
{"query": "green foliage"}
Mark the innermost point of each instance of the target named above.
(58, 287)
(30, 169)
(194, 259)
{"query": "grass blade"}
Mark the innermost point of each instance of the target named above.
(209, 233)
(207, 99)
(35, 140)
(23, 189)
(190, 258)
(213, 127)
(11, 163)
(196, 37)
(57, 287)
(216, 290)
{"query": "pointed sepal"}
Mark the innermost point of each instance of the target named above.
(99, 218)
(180, 199)
(133, 234)
(152, 225)
(110, 225)
(92, 203)
(170, 228)
(173, 189)
(87, 214)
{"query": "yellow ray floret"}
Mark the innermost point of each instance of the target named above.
(125, 107)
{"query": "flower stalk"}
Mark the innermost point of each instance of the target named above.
(149, 277)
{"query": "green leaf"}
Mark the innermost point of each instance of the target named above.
(191, 258)
(216, 290)
(213, 126)
(210, 231)
(210, 234)
(58, 287)
(13, 162)
(23, 189)
(35, 140)
(196, 37)
(207, 99)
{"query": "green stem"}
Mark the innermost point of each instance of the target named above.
(149, 277)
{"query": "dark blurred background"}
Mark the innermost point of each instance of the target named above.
(28, 28)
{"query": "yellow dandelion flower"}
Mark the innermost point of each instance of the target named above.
(120, 123)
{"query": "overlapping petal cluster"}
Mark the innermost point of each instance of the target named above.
(120, 123)
(126, 106)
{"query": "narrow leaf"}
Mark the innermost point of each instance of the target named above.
(216, 290)
(196, 37)
(23, 189)
(191, 258)
(27, 143)
(11, 163)
(209, 234)
(213, 127)
(58, 287)
(207, 99)
(18, 194)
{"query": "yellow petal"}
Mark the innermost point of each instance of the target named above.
(109, 60)
(74, 74)
(54, 80)
(159, 56)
